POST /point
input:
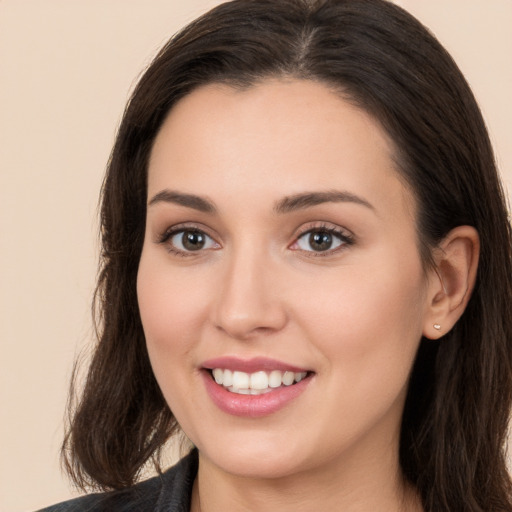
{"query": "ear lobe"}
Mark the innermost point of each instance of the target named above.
(452, 280)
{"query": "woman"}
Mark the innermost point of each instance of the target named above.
(307, 267)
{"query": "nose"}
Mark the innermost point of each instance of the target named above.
(249, 302)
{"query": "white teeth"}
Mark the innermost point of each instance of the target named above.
(240, 380)
(258, 380)
(288, 378)
(227, 380)
(218, 375)
(255, 383)
(275, 379)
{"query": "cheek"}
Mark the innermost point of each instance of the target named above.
(171, 304)
(368, 333)
(171, 309)
(369, 318)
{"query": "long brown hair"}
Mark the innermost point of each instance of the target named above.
(384, 61)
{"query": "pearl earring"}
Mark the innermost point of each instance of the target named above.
(437, 327)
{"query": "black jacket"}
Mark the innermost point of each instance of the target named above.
(168, 492)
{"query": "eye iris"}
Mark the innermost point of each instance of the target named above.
(320, 241)
(193, 240)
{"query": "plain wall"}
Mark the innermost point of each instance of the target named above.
(66, 69)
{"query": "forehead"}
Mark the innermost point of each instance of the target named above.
(277, 137)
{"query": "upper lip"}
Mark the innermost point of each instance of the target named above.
(250, 365)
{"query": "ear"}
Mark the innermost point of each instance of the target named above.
(452, 280)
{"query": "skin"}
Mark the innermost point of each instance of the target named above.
(353, 315)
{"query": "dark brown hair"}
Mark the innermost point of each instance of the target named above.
(383, 60)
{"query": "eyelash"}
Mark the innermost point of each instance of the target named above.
(169, 233)
(345, 238)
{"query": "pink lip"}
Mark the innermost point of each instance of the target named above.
(250, 365)
(251, 406)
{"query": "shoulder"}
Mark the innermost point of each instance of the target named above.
(169, 491)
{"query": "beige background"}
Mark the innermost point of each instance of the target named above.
(66, 68)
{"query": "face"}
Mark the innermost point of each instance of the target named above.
(280, 260)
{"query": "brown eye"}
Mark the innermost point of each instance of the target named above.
(191, 240)
(321, 240)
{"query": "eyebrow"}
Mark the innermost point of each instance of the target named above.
(189, 200)
(286, 205)
(309, 199)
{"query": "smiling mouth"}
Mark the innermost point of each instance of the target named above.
(256, 383)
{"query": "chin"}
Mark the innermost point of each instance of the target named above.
(256, 460)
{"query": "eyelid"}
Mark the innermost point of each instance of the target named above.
(344, 235)
(165, 236)
(323, 225)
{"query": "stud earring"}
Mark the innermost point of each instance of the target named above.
(437, 327)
